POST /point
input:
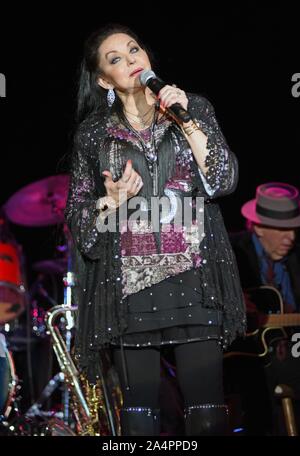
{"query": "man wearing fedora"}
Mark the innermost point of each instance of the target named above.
(268, 254)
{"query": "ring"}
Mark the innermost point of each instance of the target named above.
(178, 93)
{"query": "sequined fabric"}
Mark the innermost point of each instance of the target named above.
(171, 312)
(103, 314)
(142, 264)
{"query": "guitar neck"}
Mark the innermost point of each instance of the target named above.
(290, 319)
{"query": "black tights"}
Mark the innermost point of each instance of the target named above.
(198, 369)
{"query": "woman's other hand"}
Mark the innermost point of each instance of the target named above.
(126, 187)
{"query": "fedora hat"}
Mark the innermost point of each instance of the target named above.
(276, 205)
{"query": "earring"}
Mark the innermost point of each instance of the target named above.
(110, 97)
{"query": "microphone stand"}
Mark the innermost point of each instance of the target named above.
(68, 281)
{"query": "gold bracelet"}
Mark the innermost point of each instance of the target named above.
(189, 130)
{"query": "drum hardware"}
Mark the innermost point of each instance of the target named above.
(35, 426)
(36, 408)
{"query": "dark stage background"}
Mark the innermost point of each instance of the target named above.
(241, 58)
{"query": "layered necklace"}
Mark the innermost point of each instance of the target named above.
(143, 120)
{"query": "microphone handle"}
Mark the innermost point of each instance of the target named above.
(176, 109)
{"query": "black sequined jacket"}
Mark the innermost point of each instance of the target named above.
(99, 144)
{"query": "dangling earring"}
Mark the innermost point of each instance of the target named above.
(110, 97)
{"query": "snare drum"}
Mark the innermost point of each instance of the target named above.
(12, 291)
(8, 379)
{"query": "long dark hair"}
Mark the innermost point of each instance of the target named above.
(90, 96)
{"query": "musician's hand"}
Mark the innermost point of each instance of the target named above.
(126, 187)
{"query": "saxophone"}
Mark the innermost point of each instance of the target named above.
(91, 404)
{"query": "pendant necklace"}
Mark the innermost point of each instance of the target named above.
(149, 148)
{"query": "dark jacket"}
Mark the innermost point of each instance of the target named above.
(248, 263)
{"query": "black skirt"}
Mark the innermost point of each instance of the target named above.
(171, 312)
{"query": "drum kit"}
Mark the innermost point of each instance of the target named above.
(39, 204)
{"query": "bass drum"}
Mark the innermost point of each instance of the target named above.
(8, 379)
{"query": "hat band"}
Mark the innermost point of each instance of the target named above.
(279, 215)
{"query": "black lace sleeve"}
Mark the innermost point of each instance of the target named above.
(81, 213)
(222, 174)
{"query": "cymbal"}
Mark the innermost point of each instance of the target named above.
(56, 266)
(41, 203)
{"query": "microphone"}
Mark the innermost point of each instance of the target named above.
(148, 78)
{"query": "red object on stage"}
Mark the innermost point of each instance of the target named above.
(12, 291)
(10, 270)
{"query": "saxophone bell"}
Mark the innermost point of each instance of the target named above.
(96, 407)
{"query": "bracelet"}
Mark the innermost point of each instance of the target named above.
(189, 130)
